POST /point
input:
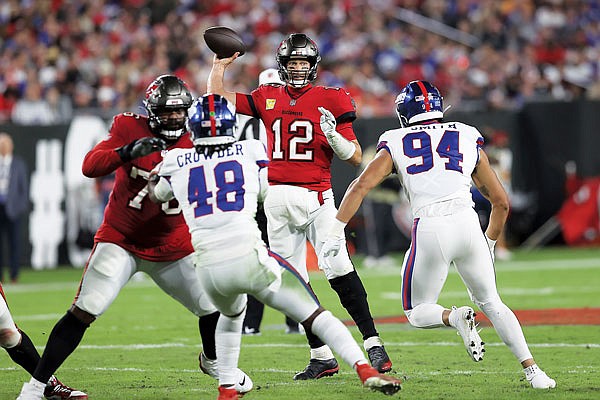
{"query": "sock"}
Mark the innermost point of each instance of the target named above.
(372, 342)
(353, 297)
(25, 354)
(339, 337)
(207, 326)
(229, 332)
(64, 339)
(321, 353)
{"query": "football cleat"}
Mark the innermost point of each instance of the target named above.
(464, 322)
(227, 393)
(538, 378)
(317, 369)
(243, 382)
(251, 331)
(379, 359)
(56, 390)
(376, 381)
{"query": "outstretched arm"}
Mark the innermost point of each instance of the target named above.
(215, 84)
(380, 167)
(375, 172)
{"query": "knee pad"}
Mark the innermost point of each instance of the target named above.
(425, 316)
(9, 338)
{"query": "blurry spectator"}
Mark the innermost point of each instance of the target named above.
(547, 46)
(8, 99)
(32, 109)
(14, 201)
(60, 105)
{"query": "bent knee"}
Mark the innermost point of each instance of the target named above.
(9, 338)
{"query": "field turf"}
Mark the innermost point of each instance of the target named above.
(146, 345)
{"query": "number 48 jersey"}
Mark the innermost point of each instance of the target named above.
(434, 161)
(218, 195)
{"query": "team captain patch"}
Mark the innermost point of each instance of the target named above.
(270, 104)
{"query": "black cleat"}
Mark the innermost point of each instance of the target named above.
(379, 359)
(317, 369)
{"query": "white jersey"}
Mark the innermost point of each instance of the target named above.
(434, 161)
(218, 195)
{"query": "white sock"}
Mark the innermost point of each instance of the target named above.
(321, 353)
(228, 338)
(333, 332)
(372, 342)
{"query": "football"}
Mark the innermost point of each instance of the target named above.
(224, 41)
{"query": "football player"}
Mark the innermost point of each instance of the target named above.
(218, 185)
(436, 162)
(136, 233)
(21, 350)
(300, 204)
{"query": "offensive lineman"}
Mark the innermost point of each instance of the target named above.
(136, 234)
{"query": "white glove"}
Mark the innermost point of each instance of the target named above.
(333, 243)
(341, 146)
(491, 244)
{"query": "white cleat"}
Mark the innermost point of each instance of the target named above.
(243, 383)
(538, 378)
(463, 319)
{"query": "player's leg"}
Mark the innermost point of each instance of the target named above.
(344, 279)
(287, 209)
(296, 299)
(179, 280)
(22, 351)
(477, 272)
(107, 271)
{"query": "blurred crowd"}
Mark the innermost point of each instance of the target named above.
(62, 57)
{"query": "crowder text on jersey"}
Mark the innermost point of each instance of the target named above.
(194, 157)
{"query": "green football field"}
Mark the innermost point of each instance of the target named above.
(146, 345)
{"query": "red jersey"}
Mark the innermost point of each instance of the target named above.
(297, 148)
(154, 232)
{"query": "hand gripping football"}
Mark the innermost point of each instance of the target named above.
(224, 41)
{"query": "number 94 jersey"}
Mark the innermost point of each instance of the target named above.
(434, 161)
(218, 195)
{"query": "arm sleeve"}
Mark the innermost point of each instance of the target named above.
(103, 159)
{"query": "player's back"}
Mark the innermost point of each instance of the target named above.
(218, 194)
(434, 161)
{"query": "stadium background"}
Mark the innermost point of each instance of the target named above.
(527, 68)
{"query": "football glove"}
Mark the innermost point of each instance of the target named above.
(333, 243)
(491, 244)
(141, 147)
(341, 146)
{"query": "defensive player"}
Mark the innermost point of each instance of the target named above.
(21, 350)
(136, 234)
(436, 162)
(218, 185)
(300, 204)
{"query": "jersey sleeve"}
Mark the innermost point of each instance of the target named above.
(103, 159)
(343, 108)
(245, 104)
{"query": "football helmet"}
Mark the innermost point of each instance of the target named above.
(165, 94)
(419, 101)
(298, 45)
(211, 120)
